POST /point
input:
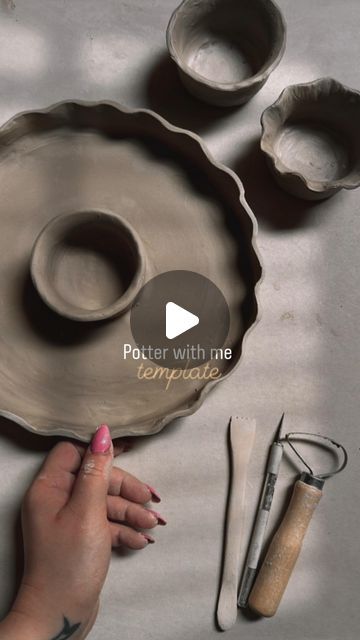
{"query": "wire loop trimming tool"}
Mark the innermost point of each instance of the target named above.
(286, 544)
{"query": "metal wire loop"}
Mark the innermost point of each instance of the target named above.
(322, 476)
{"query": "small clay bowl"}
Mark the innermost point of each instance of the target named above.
(225, 50)
(88, 266)
(311, 137)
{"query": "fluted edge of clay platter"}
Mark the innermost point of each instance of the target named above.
(19, 125)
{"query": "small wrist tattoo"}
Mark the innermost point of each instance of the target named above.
(67, 631)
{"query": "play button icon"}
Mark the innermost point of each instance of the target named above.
(178, 320)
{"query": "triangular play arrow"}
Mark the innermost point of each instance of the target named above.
(178, 320)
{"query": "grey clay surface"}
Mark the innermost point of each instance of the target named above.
(226, 49)
(189, 213)
(311, 136)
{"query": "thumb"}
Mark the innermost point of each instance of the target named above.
(92, 483)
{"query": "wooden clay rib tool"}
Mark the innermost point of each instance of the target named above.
(242, 437)
(286, 545)
(258, 534)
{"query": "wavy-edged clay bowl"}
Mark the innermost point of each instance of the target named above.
(225, 50)
(311, 137)
(59, 377)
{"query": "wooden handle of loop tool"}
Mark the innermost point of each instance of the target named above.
(284, 550)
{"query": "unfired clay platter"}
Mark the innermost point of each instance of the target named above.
(63, 377)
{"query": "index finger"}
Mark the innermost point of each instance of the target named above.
(128, 486)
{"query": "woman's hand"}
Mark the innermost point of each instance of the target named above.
(76, 509)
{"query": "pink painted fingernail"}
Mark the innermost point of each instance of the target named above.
(148, 538)
(101, 441)
(154, 494)
(159, 517)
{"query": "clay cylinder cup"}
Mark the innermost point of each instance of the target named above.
(88, 266)
(225, 50)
